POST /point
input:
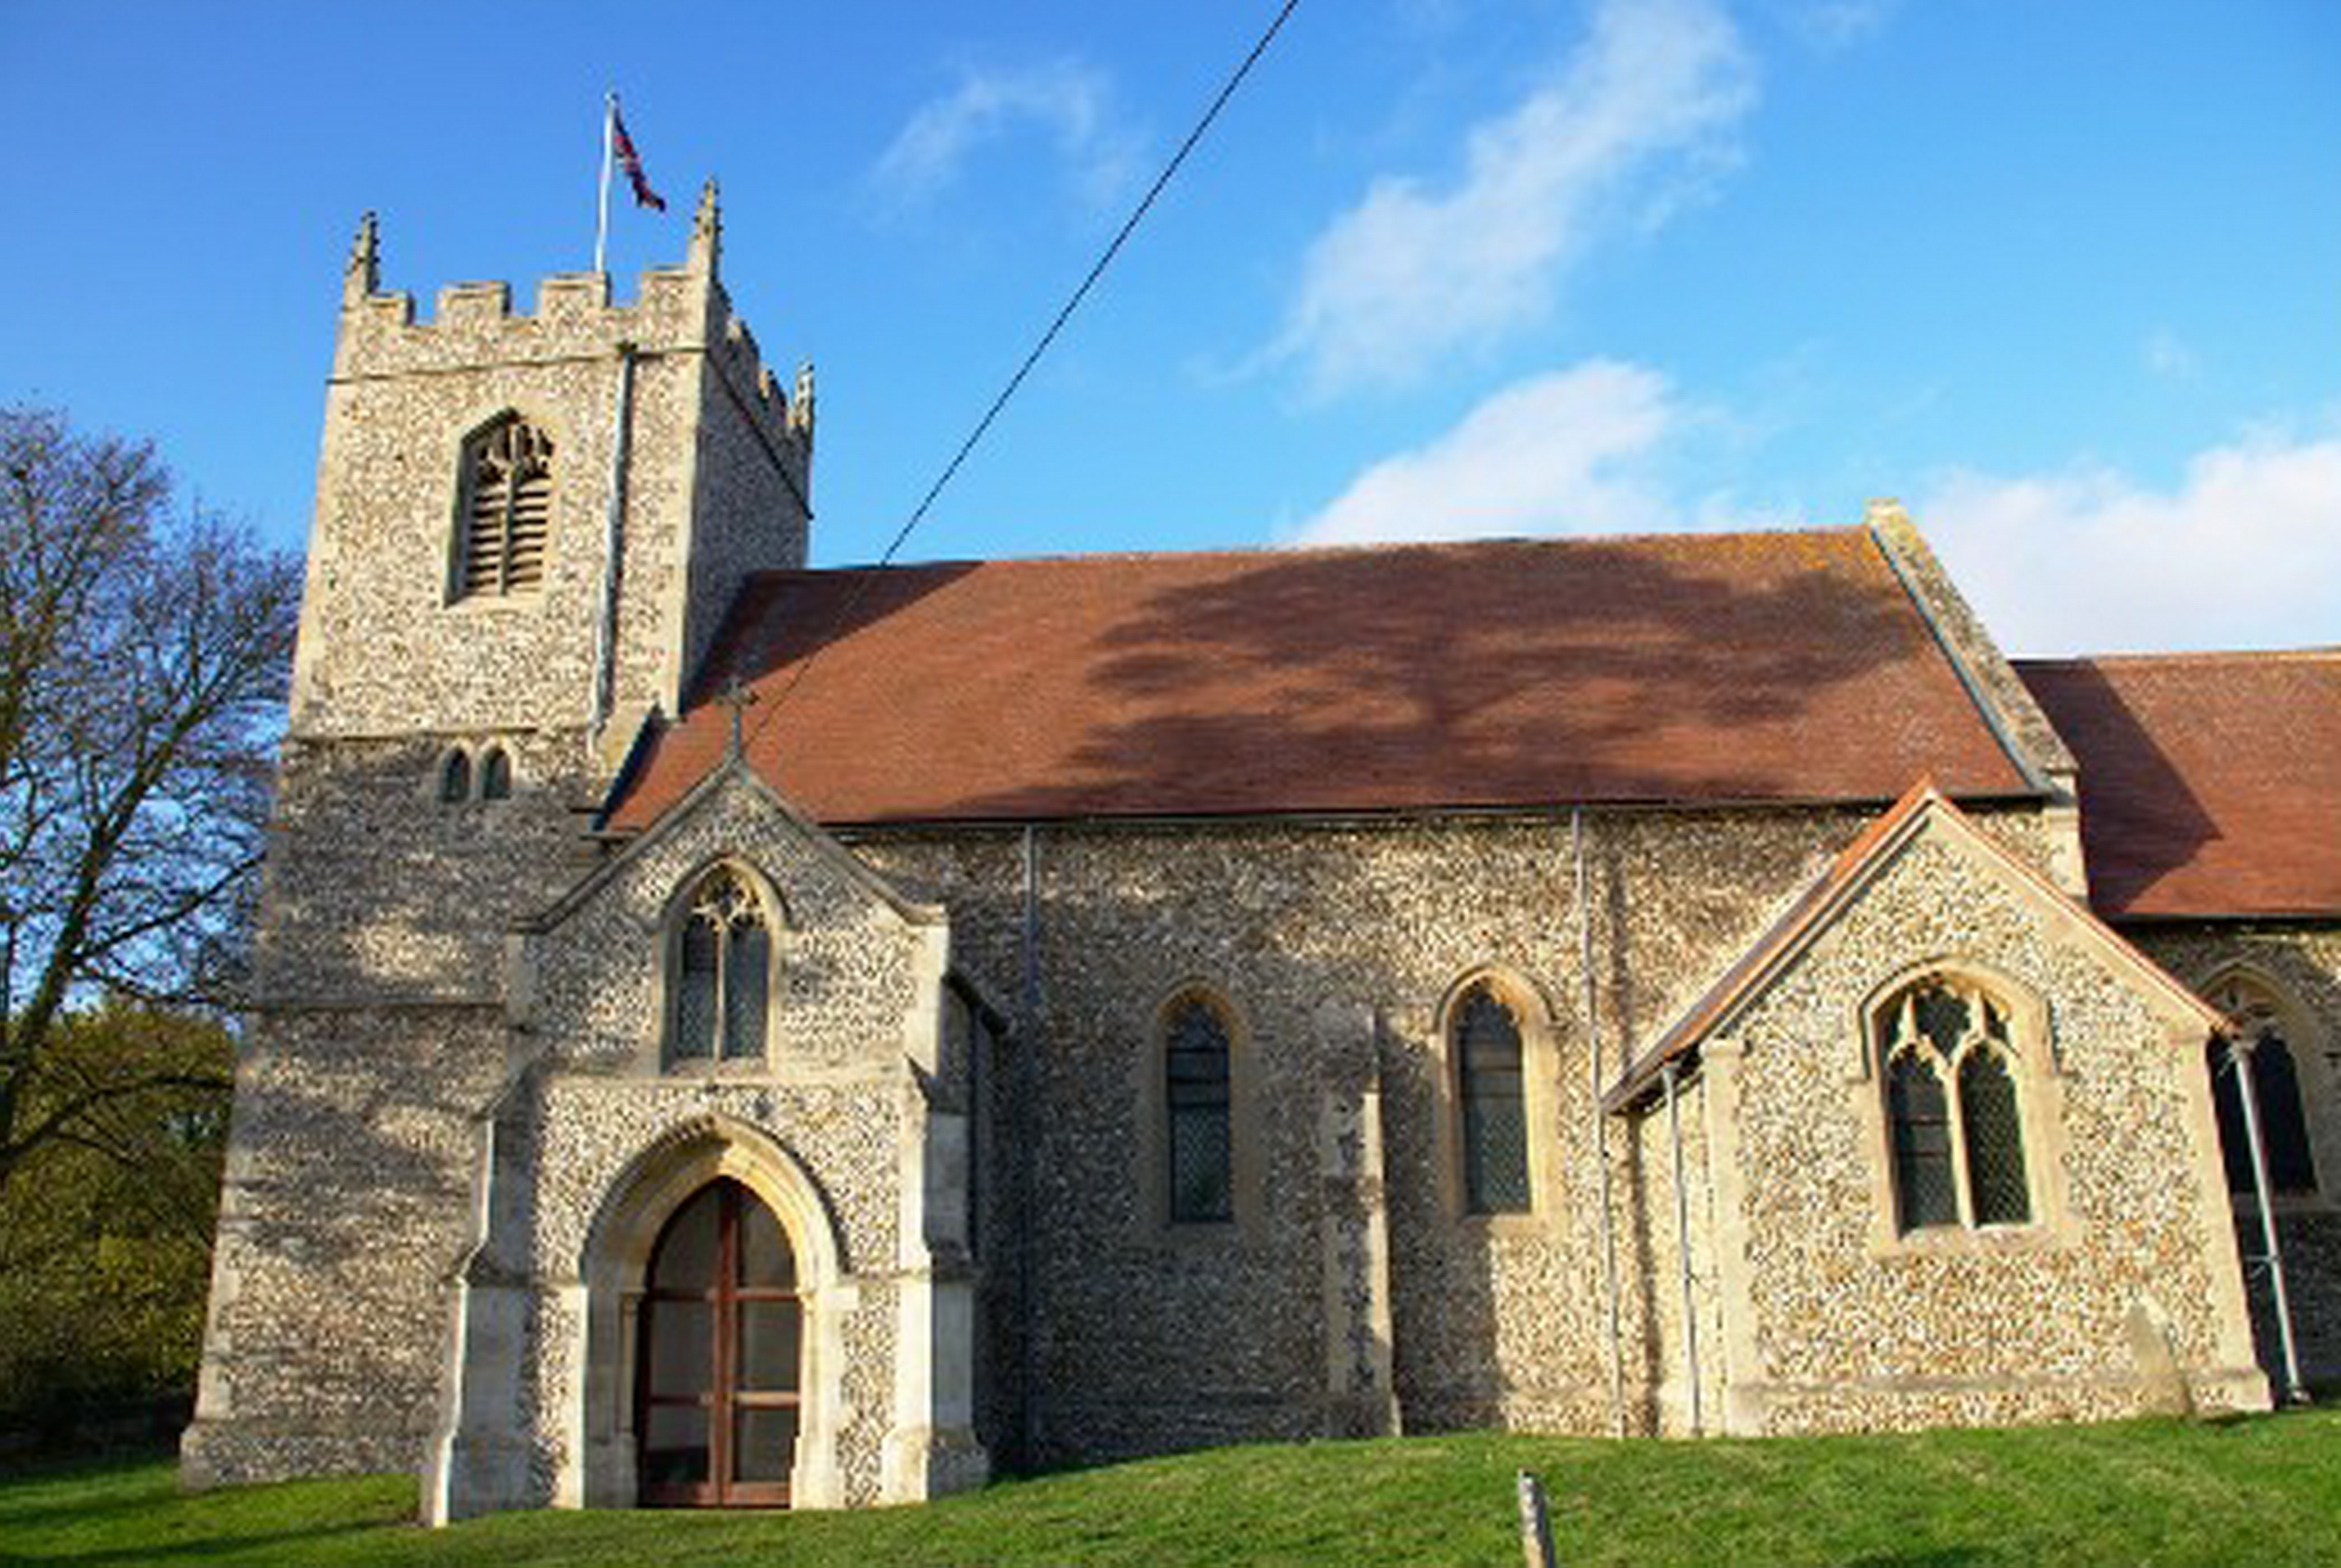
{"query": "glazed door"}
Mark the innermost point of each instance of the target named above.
(716, 1403)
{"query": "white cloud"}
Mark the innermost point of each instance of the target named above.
(2166, 354)
(1829, 25)
(1069, 100)
(1411, 273)
(1571, 452)
(2245, 553)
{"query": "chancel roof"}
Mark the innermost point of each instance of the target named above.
(1692, 668)
(2209, 783)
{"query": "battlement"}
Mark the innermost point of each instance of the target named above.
(678, 311)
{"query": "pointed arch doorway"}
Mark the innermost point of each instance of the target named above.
(720, 1356)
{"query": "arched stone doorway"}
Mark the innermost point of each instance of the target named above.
(633, 1269)
(719, 1356)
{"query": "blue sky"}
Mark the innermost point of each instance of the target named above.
(2065, 277)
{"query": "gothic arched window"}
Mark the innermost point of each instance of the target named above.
(1197, 1103)
(1491, 1092)
(496, 774)
(2276, 1095)
(454, 777)
(1954, 1116)
(505, 513)
(721, 972)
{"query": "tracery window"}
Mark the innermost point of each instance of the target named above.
(505, 510)
(1954, 1118)
(722, 970)
(1197, 1103)
(1491, 1092)
(2292, 1166)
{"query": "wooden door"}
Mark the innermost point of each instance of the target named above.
(717, 1397)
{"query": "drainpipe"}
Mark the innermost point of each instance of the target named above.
(2239, 1055)
(1600, 1124)
(1682, 1244)
(1027, 1079)
(613, 533)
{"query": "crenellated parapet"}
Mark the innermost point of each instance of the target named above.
(678, 311)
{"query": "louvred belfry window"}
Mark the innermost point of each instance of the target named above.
(1954, 1115)
(507, 511)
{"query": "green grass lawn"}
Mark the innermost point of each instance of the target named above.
(2259, 1491)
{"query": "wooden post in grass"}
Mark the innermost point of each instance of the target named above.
(1536, 1528)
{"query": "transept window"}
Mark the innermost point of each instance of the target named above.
(505, 512)
(722, 970)
(1954, 1113)
(1196, 1100)
(1491, 1091)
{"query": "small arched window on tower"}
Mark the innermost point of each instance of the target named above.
(1954, 1119)
(496, 774)
(721, 972)
(1492, 1093)
(2276, 1095)
(454, 777)
(505, 510)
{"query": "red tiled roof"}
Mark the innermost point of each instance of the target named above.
(1686, 667)
(2209, 783)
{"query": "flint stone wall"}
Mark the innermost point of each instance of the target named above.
(1845, 1335)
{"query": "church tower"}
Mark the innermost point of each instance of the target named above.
(534, 523)
(528, 528)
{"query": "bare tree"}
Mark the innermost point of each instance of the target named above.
(144, 651)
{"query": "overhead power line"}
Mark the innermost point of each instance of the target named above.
(1146, 204)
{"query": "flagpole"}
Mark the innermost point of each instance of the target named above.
(601, 221)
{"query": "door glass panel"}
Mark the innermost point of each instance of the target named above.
(682, 1349)
(764, 1443)
(675, 1446)
(768, 1346)
(765, 1263)
(687, 1250)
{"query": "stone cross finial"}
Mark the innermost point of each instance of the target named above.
(738, 696)
(363, 275)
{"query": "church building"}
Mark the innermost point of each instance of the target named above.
(732, 1033)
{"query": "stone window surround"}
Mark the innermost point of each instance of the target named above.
(475, 753)
(1244, 1132)
(1540, 1084)
(672, 919)
(2312, 1074)
(2040, 1099)
(458, 506)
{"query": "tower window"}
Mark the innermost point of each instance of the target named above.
(496, 774)
(454, 778)
(505, 510)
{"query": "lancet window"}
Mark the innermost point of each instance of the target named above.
(1198, 1105)
(1491, 1092)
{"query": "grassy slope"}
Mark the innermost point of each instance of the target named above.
(2264, 1491)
